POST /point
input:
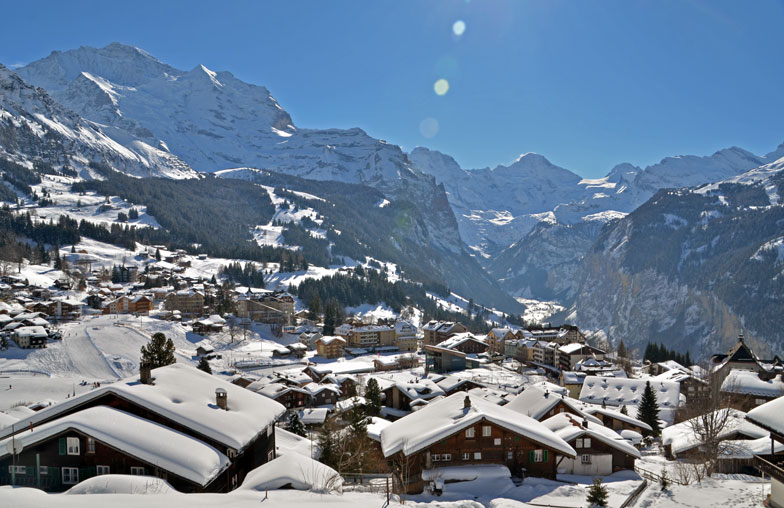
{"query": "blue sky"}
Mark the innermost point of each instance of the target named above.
(588, 84)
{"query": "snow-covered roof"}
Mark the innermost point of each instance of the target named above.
(569, 427)
(186, 395)
(769, 416)
(121, 484)
(592, 409)
(31, 331)
(150, 442)
(441, 419)
(459, 338)
(624, 391)
(375, 426)
(313, 416)
(748, 382)
(681, 436)
(424, 389)
(296, 470)
(535, 402)
(329, 339)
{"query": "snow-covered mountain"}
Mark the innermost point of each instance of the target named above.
(34, 127)
(210, 119)
(692, 267)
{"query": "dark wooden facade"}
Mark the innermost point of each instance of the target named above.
(52, 456)
(502, 447)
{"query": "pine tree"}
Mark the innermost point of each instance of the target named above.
(648, 411)
(204, 365)
(597, 494)
(373, 398)
(295, 425)
(3, 343)
(314, 308)
(159, 351)
(622, 350)
(157, 254)
(624, 411)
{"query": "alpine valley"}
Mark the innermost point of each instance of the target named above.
(688, 252)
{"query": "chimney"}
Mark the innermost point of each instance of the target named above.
(467, 402)
(585, 422)
(221, 399)
(145, 373)
(546, 393)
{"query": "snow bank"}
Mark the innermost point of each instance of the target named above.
(292, 470)
(122, 484)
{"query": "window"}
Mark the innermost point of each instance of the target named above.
(137, 471)
(486, 431)
(561, 410)
(497, 441)
(585, 459)
(17, 469)
(510, 455)
(466, 456)
(99, 470)
(470, 433)
(435, 457)
(578, 443)
(538, 455)
(270, 455)
(72, 444)
(587, 442)
(70, 475)
(761, 401)
(446, 457)
(90, 445)
(44, 470)
(477, 455)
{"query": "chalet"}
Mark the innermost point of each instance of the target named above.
(565, 334)
(617, 392)
(102, 440)
(187, 301)
(572, 381)
(309, 339)
(600, 451)
(235, 421)
(297, 349)
(403, 394)
(438, 331)
(451, 384)
(330, 346)
(739, 357)
(497, 337)
(346, 382)
(322, 394)
(616, 420)
(211, 324)
(466, 343)
(768, 416)
(291, 397)
(540, 404)
(30, 336)
(319, 372)
(572, 354)
(464, 430)
(692, 386)
(205, 350)
(747, 389)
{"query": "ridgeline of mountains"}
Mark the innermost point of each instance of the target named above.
(630, 256)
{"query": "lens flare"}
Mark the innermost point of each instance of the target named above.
(458, 27)
(428, 127)
(441, 86)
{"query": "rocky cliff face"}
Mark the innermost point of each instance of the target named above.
(692, 267)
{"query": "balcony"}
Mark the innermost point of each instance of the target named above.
(769, 468)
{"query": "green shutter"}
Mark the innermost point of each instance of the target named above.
(545, 456)
(63, 446)
(531, 456)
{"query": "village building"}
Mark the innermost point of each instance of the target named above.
(266, 307)
(231, 419)
(465, 342)
(187, 301)
(521, 350)
(464, 430)
(436, 332)
(27, 337)
(440, 359)
(330, 346)
(571, 354)
(496, 339)
(405, 336)
(540, 404)
(371, 337)
(746, 389)
(768, 417)
(615, 420)
(617, 392)
(600, 451)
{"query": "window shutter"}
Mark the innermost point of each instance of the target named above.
(544, 457)
(63, 446)
(531, 456)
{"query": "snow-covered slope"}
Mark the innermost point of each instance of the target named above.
(35, 127)
(210, 119)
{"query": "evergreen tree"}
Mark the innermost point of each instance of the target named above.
(295, 425)
(357, 419)
(373, 398)
(204, 365)
(326, 442)
(624, 411)
(648, 410)
(73, 249)
(314, 308)
(622, 350)
(159, 351)
(3, 343)
(597, 494)
(157, 254)
(331, 316)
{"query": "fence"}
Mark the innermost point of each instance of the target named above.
(634, 495)
(364, 482)
(655, 477)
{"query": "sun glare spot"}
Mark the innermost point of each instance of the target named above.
(441, 86)
(458, 28)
